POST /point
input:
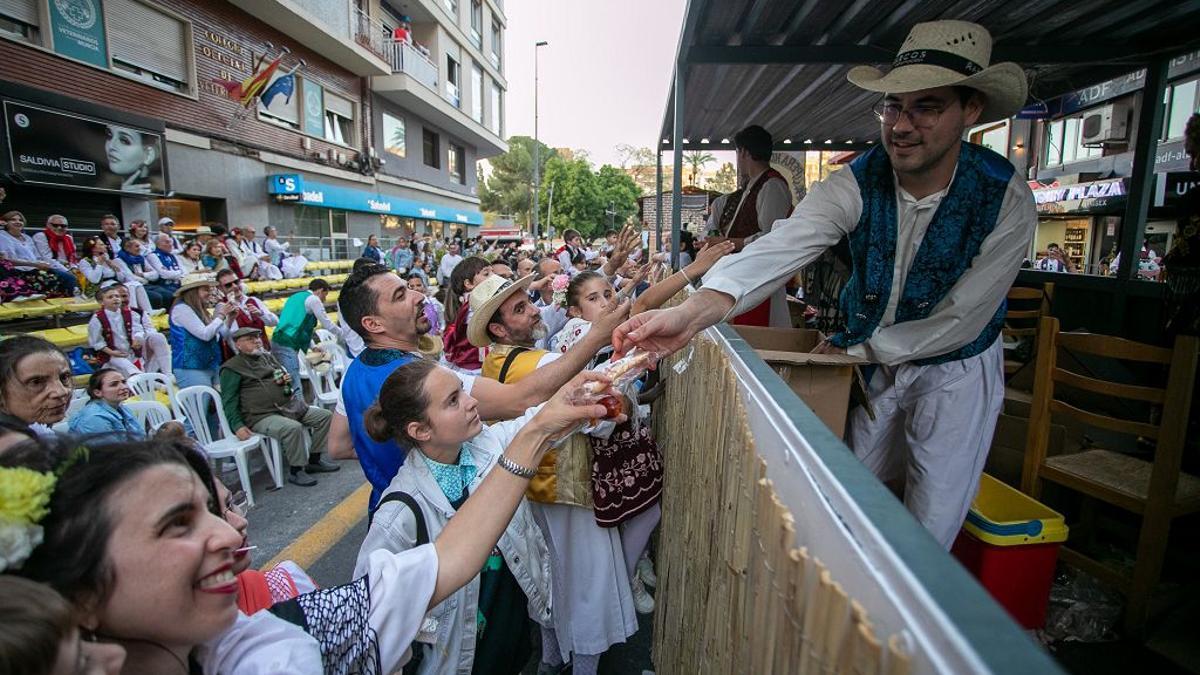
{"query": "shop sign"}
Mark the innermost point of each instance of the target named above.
(1171, 187)
(294, 188)
(57, 148)
(1093, 196)
(1171, 156)
(78, 29)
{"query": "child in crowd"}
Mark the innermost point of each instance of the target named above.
(459, 352)
(433, 308)
(156, 353)
(115, 334)
(40, 634)
(627, 468)
(423, 406)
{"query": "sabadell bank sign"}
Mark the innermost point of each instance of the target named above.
(294, 188)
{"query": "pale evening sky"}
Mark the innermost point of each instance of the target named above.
(603, 78)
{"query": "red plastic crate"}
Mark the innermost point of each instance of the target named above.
(1018, 577)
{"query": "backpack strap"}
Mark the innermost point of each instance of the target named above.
(422, 530)
(508, 361)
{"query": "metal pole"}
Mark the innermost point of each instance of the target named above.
(550, 211)
(537, 146)
(1141, 183)
(657, 195)
(676, 180)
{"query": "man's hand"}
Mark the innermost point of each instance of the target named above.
(665, 331)
(243, 433)
(827, 347)
(612, 318)
(137, 345)
(541, 284)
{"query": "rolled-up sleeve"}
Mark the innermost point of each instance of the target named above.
(961, 316)
(829, 212)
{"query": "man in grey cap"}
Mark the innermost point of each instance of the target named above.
(258, 396)
(167, 226)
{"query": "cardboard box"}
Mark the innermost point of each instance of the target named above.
(822, 381)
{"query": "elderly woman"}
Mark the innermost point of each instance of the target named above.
(45, 277)
(259, 397)
(104, 413)
(35, 384)
(131, 542)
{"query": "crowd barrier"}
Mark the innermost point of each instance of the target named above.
(780, 553)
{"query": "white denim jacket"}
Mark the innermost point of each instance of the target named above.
(450, 626)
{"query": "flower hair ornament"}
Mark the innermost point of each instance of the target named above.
(559, 285)
(24, 502)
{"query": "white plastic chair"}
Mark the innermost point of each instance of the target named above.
(325, 388)
(150, 414)
(194, 402)
(328, 340)
(145, 387)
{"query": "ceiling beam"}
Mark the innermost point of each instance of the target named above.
(779, 146)
(1025, 54)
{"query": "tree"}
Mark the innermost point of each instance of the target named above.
(618, 192)
(576, 201)
(510, 188)
(640, 164)
(697, 160)
(725, 180)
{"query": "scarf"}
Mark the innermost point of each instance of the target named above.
(61, 245)
(131, 259)
(453, 479)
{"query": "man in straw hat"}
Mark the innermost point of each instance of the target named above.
(377, 304)
(938, 228)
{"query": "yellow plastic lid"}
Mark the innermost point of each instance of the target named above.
(1004, 516)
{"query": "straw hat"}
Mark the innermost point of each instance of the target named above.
(430, 346)
(947, 54)
(486, 299)
(195, 281)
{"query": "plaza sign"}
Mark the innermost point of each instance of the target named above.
(1101, 195)
(294, 188)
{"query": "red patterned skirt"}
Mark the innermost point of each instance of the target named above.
(627, 474)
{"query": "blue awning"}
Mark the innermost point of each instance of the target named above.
(292, 187)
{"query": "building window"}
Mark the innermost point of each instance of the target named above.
(1064, 142)
(148, 43)
(1180, 101)
(453, 79)
(495, 122)
(496, 43)
(339, 120)
(477, 92)
(393, 135)
(319, 230)
(19, 19)
(477, 23)
(457, 164)
(991, 136)
(432, 145)
(452, 7)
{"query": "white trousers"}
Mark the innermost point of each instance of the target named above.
(157, 354)
(933, 427)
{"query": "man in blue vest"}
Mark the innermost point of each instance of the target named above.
(938, 228)
(377, 304)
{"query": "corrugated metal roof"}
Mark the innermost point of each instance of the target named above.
(745, 59)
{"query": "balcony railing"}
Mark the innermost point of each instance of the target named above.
(406, 59)
(452, 94)
(370, 34)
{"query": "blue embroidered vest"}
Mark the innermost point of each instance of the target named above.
(190, 352)
(964, 218)
(168, 261)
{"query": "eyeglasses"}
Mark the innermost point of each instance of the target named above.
(237, 503)
(923, 115)
(229, 285)
(59, 226)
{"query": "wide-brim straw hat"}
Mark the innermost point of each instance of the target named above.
(485, 301)
(950, 54)
(195, 281)
(430, 346)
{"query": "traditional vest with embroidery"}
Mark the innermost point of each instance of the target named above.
(190, 352)
(745, 224)
(247, 320)
(964, 218)
(107, 331)
(562, 477)
(168, 261)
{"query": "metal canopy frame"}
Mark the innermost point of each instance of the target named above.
(1074, 50)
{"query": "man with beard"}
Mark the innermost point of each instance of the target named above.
(379, 306)
(938, 229)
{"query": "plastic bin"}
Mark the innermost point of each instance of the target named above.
(1010, 543)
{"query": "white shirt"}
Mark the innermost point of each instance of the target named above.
(314, 306)
(185, 317)
(1050, 265)
(354, 341)
(41, 244)
(276, 249)
(176, 244)
(190, 266)
(161, 271)
(293, 266)
(449, 262)
(831, 210)
(142, 274)
(94, 272)
(268, 317)
(117, 323)
(18, 249)
(114, 245)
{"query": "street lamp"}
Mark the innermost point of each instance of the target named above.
(537, 150)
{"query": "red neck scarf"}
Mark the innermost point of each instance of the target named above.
(61, 245)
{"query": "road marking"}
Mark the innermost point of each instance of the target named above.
(316, 541)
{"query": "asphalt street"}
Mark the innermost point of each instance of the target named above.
(321, 527)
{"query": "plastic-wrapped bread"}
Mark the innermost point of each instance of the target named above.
(623, 370)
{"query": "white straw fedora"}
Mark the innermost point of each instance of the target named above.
(196, 280)
(947, 54)
(486, 299)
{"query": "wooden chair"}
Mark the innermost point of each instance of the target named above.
(1156, 490)
(1023, 323)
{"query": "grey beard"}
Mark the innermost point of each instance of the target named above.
(539, 332)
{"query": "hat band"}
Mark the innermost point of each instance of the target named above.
(937, 57)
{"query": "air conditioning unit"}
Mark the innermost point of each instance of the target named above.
(331, 155)
(341, 158)
(1106, 125)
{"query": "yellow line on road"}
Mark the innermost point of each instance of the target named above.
(316, 541)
